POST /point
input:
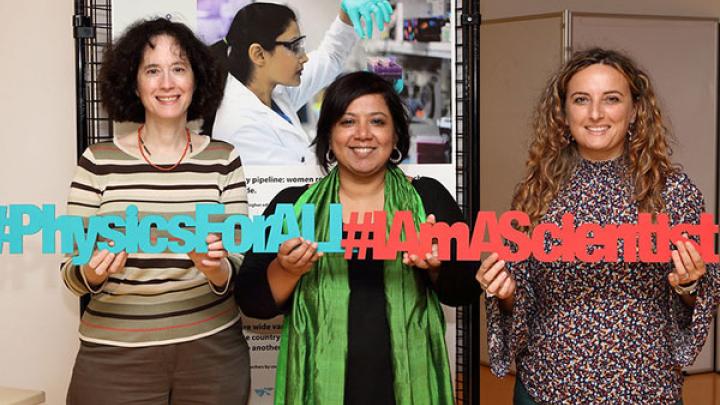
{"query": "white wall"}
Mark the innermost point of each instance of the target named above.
(38, 322)
(491, 9)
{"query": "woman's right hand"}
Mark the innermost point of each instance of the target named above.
(101, 265)
(297, 256)
(495, 279)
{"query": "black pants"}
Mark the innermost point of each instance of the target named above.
(210, 370)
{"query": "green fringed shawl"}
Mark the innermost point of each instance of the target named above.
(313, 347)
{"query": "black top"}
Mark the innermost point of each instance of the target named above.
(369, 376)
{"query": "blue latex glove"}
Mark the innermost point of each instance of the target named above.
(399, 85)
(357, 9)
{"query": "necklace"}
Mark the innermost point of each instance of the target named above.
(143, 149)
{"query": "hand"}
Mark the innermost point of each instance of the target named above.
(213, 263)
(357, 9)
(495, 279)
(297, 256)
(689, 265)
(102, 264)
(430, 261)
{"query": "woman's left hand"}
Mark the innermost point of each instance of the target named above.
(430, 261)
(689, 265)
(213, 263)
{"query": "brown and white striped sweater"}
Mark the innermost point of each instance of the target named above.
(158, 298)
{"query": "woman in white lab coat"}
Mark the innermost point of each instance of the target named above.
(270, 77)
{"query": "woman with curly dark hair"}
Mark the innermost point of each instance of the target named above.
(606, 332)
(160, 327)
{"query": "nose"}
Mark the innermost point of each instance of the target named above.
(303, 57)
(167, 81)
(363, 130)
(597, 111)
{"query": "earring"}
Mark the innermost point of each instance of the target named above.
(330, 156)
(630, 133)
(568, 137)
(396, 160)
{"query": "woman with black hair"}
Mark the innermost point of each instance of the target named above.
(271, 77)
(360, 331)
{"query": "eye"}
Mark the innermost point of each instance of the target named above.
(179, 69)
(581, 100)
(152, 71)
(378, 121)
(346, 122)
(612, 99)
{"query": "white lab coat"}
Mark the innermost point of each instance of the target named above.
(259, 134)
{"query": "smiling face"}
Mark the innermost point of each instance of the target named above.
(285, 66)
(599, 110)
(165, 80)
(364, 137)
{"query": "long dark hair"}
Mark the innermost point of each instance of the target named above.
(256, 23)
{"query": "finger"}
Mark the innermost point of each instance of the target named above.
(432, 260)
(309, 253)
(367, 17)
(679, 267)
(685, 257)
(430, 219)
(494, 287)
(217, 254)
(491, 274)
(506, 289)
(488, 262)
(381, 16)
(214, 246)
(416, 261)
(210, 263)
(105, 264)
(289, 245)
(97, 258)
(118, 263)
(212, 237)
(673, 279)
(354, 15)
(695, 256)
(298, 252)
(388, 10)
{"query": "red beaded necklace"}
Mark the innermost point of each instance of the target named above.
(141, 146)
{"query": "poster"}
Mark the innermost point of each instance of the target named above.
(428, 93)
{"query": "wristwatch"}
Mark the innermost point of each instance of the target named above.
(687, 289)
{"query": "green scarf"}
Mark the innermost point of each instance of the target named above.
(313, 346)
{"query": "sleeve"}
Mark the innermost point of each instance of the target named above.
(690, 326)
(83, 201)
(456, 284)
(324, 64)
(508, 332)
(256, 142)
(252, 289)
(233, 195)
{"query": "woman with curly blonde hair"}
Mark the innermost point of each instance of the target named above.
(604, 332)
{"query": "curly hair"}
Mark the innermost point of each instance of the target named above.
(338, 97)
(553, 157)
(121, 61)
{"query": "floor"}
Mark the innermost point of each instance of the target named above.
(699, 389)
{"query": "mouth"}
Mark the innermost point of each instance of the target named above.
(362, 151)
(167, 99)
(598, 129)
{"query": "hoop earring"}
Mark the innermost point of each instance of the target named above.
(330, 156)
(398, 159)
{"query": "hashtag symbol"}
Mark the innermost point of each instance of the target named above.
(352, 243)
(4, 219)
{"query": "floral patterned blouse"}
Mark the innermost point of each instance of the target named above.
(603, 333)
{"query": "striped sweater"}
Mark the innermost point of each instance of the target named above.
(158, 298)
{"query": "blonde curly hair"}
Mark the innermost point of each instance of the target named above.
(553, 157)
